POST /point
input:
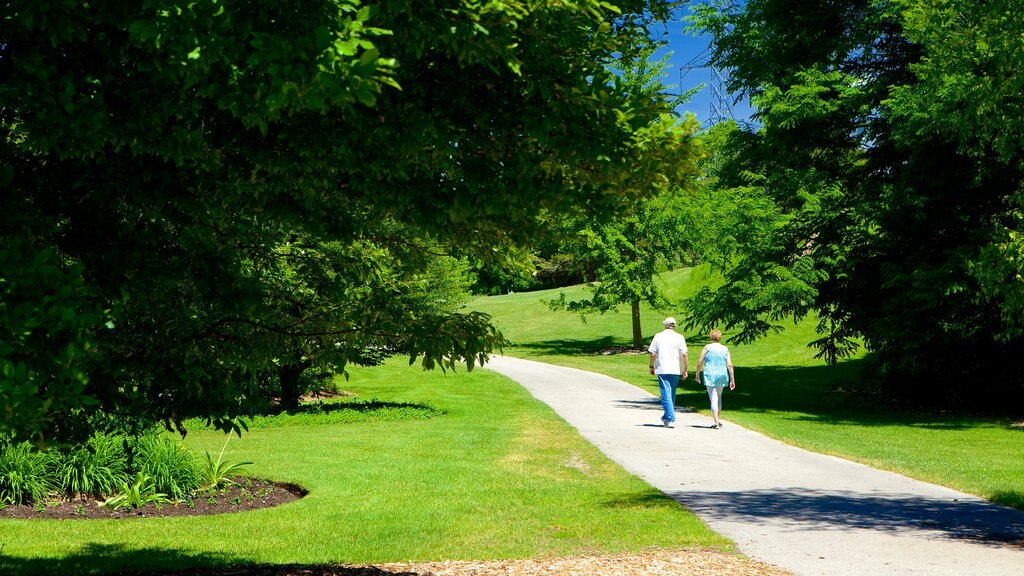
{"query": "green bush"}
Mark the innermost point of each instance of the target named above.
(95, 468)
(26, 475)
(170, 466)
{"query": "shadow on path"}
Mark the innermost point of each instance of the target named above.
(653, 404)
(960, 520)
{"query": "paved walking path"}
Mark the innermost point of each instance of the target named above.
(812, 514)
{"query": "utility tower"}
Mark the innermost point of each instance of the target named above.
(720, 109)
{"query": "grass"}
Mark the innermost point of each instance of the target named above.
(782, 391)
(492, 473)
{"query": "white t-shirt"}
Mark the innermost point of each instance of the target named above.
(669, 347)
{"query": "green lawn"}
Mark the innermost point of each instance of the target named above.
(495, 475)
(783, 392)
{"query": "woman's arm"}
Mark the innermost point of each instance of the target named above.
(700, 364)
(732, 376)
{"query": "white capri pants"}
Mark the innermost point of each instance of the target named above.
(715, 394)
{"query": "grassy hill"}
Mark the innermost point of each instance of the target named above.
(782, 391)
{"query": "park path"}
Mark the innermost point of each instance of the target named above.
(809, 513)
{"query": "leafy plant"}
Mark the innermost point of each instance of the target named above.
(216, 474)
(136, 494)
(96, 468)
(168, 463)
(26, 475)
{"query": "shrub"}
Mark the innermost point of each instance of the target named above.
(168, 464)
(96, 468)
(26, 475)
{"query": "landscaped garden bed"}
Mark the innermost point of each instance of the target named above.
(244, 494)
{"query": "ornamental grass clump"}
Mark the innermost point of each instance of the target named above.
(96, 468)
(26, 475)
(170, 466)
(120, 471)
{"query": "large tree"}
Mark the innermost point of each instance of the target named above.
(620, 259)
(890, 148)
(160, 159)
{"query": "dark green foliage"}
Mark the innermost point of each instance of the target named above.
(195, 199)
(889, 166)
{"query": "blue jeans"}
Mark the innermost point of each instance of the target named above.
(668, 384)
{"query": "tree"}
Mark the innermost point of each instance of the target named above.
(894, 178)
(409, 291)
(161, 159)
(621, 260)
(622, 257)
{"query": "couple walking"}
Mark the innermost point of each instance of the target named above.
(669, 362)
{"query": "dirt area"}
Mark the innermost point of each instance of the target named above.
(622, 350)
(650, 563)
(249, 494)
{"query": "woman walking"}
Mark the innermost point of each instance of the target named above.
(717, 366)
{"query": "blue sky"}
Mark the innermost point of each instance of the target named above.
(686, 48)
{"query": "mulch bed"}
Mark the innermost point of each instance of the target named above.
(250, 494)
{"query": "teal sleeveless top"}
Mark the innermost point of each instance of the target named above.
(716, 371)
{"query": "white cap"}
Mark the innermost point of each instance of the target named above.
(670, 321)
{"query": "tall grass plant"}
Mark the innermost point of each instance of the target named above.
(168, 464)
(95, 468)
(26, 475)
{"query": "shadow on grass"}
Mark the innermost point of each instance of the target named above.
(110, 559)
(649, 500)
(361, 406)
(972, 520)
(572, 347)
(1011, 498)
(569, 347)
(828, 395)
(106, 559)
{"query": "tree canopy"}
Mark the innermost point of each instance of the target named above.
(190, 189)
(889, 152)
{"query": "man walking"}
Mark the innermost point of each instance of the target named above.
(669, 363)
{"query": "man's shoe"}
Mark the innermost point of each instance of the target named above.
(670, 424)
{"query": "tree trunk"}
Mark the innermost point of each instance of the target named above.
(289, 377)
(638, 334)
